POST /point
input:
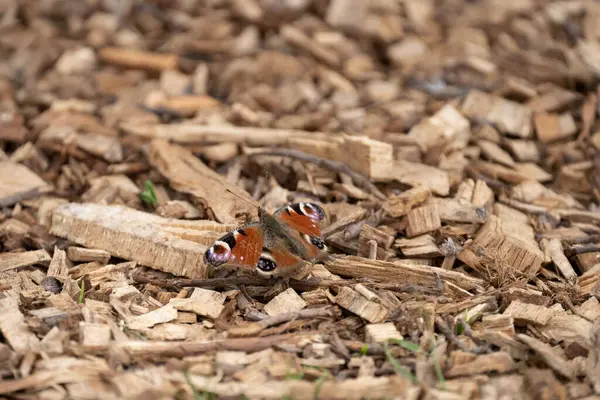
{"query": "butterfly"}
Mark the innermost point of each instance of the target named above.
(276, 245)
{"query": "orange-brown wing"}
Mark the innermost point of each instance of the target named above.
(241, 248)
(303, 217)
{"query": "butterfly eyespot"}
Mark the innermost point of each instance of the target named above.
(315, 241)
(266, 264)
(218, 253)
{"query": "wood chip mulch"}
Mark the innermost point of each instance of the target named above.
(454, 146)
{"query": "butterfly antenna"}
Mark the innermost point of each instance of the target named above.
(241, 198)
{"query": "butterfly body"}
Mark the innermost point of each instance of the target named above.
(275, 245)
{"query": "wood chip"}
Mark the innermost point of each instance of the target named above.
(15, 330)
(9, 261)
(554, 361)
(287, 301)
(134, 235)
(381, 333)
(524, 313)
(81, 254)
(508, 116)
(206, 303)
(17, 182)
(360, 305)
(423, 220)
(397, 206)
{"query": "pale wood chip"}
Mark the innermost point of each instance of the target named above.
(554, 361)
(207, 303)
(381, 333)
(524, 313)
(287, 301)
(9, 261)
(14, 329)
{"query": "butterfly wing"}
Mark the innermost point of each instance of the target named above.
(303, 217)
(246, 248)
(240, 248)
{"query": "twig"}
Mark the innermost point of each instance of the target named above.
(335, 166)
(574, 250)
(309, 313)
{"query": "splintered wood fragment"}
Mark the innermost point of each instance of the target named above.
(51, 316)
(133, 235)
(383, 241)
(495, 250)
(206, 303)
(138, 59)
(557, 254)
(416, 174)
(360, 305)
(483, 196)
(525, 313)
(498, 322)
(592, 369)
(451, 210)
(60, 265)
(105, 147)
(528, 295)
(81, 254)
(10, 261)
(403, 273)
(284, 302)
(159, 316)
(94, 337)
(443, 127)
(186, 105)
(533, 171)
(420, 246)
(381, 333)
(370, 157)
(499, 362)
(524, 150)
(564, 327)
(344, 222)
(495, 153)
(551, 127)
(201, 134)
(17, 182)
(186, 173)
(422, 220)
(508, 116)
(516, 223)
(14, 329)
(298, 38)
(399, 205)
(590, 309)
(554, 360)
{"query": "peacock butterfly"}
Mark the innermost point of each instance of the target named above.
(277, 244)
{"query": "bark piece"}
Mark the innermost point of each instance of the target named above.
(287, 301)
(135, 235)
(420, 246)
